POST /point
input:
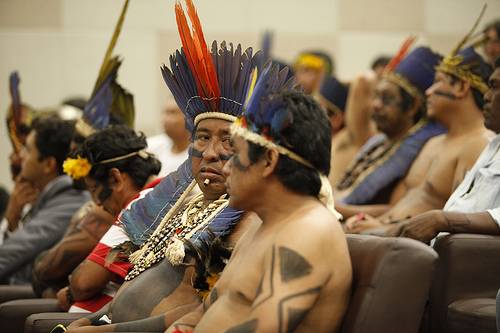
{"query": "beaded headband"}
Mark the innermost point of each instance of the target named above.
(80, 167)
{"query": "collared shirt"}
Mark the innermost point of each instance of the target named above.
(480, 189)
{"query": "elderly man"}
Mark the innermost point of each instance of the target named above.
(163, 282)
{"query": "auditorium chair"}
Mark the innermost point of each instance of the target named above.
(467, 279)
(391, 282)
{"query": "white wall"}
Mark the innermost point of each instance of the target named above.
(57, 45)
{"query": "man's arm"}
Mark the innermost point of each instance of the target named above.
(426, 226)
(88, 280)
(351, 210)
(63, 258)
(358, 121)
(43, 230)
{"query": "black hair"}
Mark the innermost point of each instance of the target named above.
(308, 135)
(408, 101)
(53, 138)
(115, 141)
(382, 60)
(497, 63)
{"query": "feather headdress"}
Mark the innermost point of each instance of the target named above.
(109, 102)
(413, 71)
(463, 59)
(207, 84)
(265, 119)
(19, 116)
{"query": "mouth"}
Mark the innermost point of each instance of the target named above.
(212, 174)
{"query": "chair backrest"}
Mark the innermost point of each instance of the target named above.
(391, 282)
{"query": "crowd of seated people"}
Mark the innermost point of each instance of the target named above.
(236, 219)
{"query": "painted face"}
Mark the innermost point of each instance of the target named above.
(440, 96)
(387, 108)
(211, 149)
(31, 165)
(240, 175)
(492, 103)
(104, 196)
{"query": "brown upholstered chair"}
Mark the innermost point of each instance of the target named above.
(391, 282)
(13, 314)
(9, 293)
(467, 279)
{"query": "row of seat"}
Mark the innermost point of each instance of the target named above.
(399, 285)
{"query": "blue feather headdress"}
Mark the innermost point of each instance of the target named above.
(265, 118)
(207, 84)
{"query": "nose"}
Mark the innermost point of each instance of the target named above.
(429, 91)
(210, 153)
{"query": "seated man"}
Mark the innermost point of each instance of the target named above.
(399, 112)
(474, 206)
(455, 100)
(52, 267)
(294, 271)
(42, 157)
(118, 168)
(165, 283)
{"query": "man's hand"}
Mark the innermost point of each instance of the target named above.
(424, 227)
(361, 222)
(23, 193)
(62, 299)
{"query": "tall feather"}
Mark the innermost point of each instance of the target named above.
(471, 31)
(109, 51)
(197, 55)
(19, 116)
(403, 50)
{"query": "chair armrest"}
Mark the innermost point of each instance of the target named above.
(10, 293)
(14, 313)
(45, 322)
(468, 267)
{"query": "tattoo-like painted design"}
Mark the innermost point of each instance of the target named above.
(259, 288)
(213, 295)
(297, 315)
(237, 163)
(247, 327)
(197, 153)
(271, 283)
(292, 265)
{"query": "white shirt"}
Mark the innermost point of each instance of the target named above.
(161, 146)
(480, 189)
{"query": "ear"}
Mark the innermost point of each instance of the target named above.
(462, 89)
(270, 161)
(116, 179)
(50, 165)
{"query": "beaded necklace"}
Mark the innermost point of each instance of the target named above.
(168, 242)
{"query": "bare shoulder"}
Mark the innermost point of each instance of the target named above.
(316, 229)
(245, 230)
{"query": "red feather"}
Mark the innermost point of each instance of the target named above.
(403, 50)
(197, 55)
